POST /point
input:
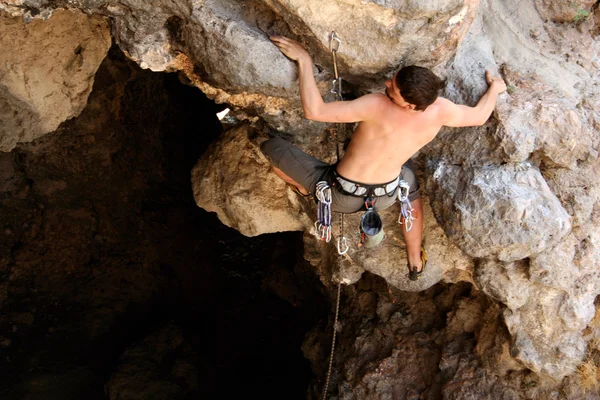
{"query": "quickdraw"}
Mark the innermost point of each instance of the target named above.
(323, 223)
(334, 46)
(407, 212)
(342, 242)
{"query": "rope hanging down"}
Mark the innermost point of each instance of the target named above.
(335, 327)
(342, 242)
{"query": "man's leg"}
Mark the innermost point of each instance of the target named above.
(289, 180)
(292, 164)
(413, 238)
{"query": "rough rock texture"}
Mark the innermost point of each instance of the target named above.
(506, 212)
(564, 11)
(526, 178)
(162, 366)
(439, 343)
(227, 43)
(101, 243)
(86, 236)
(225, 182)
(516, 202)
(47, 72)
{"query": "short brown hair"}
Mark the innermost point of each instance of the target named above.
(418, 86)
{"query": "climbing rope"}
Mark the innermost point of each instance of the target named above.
(342, 241)
(335, 328)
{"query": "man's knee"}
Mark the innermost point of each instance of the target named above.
(273, 149)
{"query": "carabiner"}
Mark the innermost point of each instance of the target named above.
(403, 190)
(333, 37)
(342, 241)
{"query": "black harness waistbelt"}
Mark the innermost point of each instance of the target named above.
(358, 189)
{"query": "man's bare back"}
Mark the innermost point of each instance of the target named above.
(381, 145)
(390, 129)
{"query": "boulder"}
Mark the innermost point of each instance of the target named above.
(500, 212)
(233, 179)
(48, 70)
(162, 366)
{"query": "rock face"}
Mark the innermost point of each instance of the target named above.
(47, 76)
(230, 188)
(162, 366)
(516, 202)
(500, 212)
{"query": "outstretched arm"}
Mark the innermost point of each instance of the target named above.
(312, 102)
(456, 116)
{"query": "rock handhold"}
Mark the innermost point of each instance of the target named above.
(503, 212)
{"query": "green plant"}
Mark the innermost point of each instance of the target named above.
(581, 15)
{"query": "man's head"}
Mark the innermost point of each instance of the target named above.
(417, 87)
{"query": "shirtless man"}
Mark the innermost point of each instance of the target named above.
(392, 127)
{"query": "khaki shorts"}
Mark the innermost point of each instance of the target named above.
(307, 171)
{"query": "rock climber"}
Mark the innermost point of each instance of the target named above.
(392, 127)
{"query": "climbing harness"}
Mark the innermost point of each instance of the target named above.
(357, 189)
(406, 208)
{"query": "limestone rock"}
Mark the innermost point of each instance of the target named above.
(544, 321)
(564, 11)
(233, 179)
(506, 283)
(47, 73)
(235, 56)
(377, 36)
(162, 366)
(498, 211)
(228, 45)
(516, 201)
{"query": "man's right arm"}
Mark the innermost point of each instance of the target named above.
(314, 107)
(456, 116)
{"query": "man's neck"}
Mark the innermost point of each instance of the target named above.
(407, 108)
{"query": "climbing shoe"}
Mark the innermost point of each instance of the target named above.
(413, 274)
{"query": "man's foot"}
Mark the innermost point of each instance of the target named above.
(413, 272)
(298, 191)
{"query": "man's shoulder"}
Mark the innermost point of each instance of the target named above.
(374, 98)
(372, 103)
(442, 102)
(441, 108)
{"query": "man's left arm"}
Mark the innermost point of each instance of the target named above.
(456, 116)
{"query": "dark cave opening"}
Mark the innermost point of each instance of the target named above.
(105, 245)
